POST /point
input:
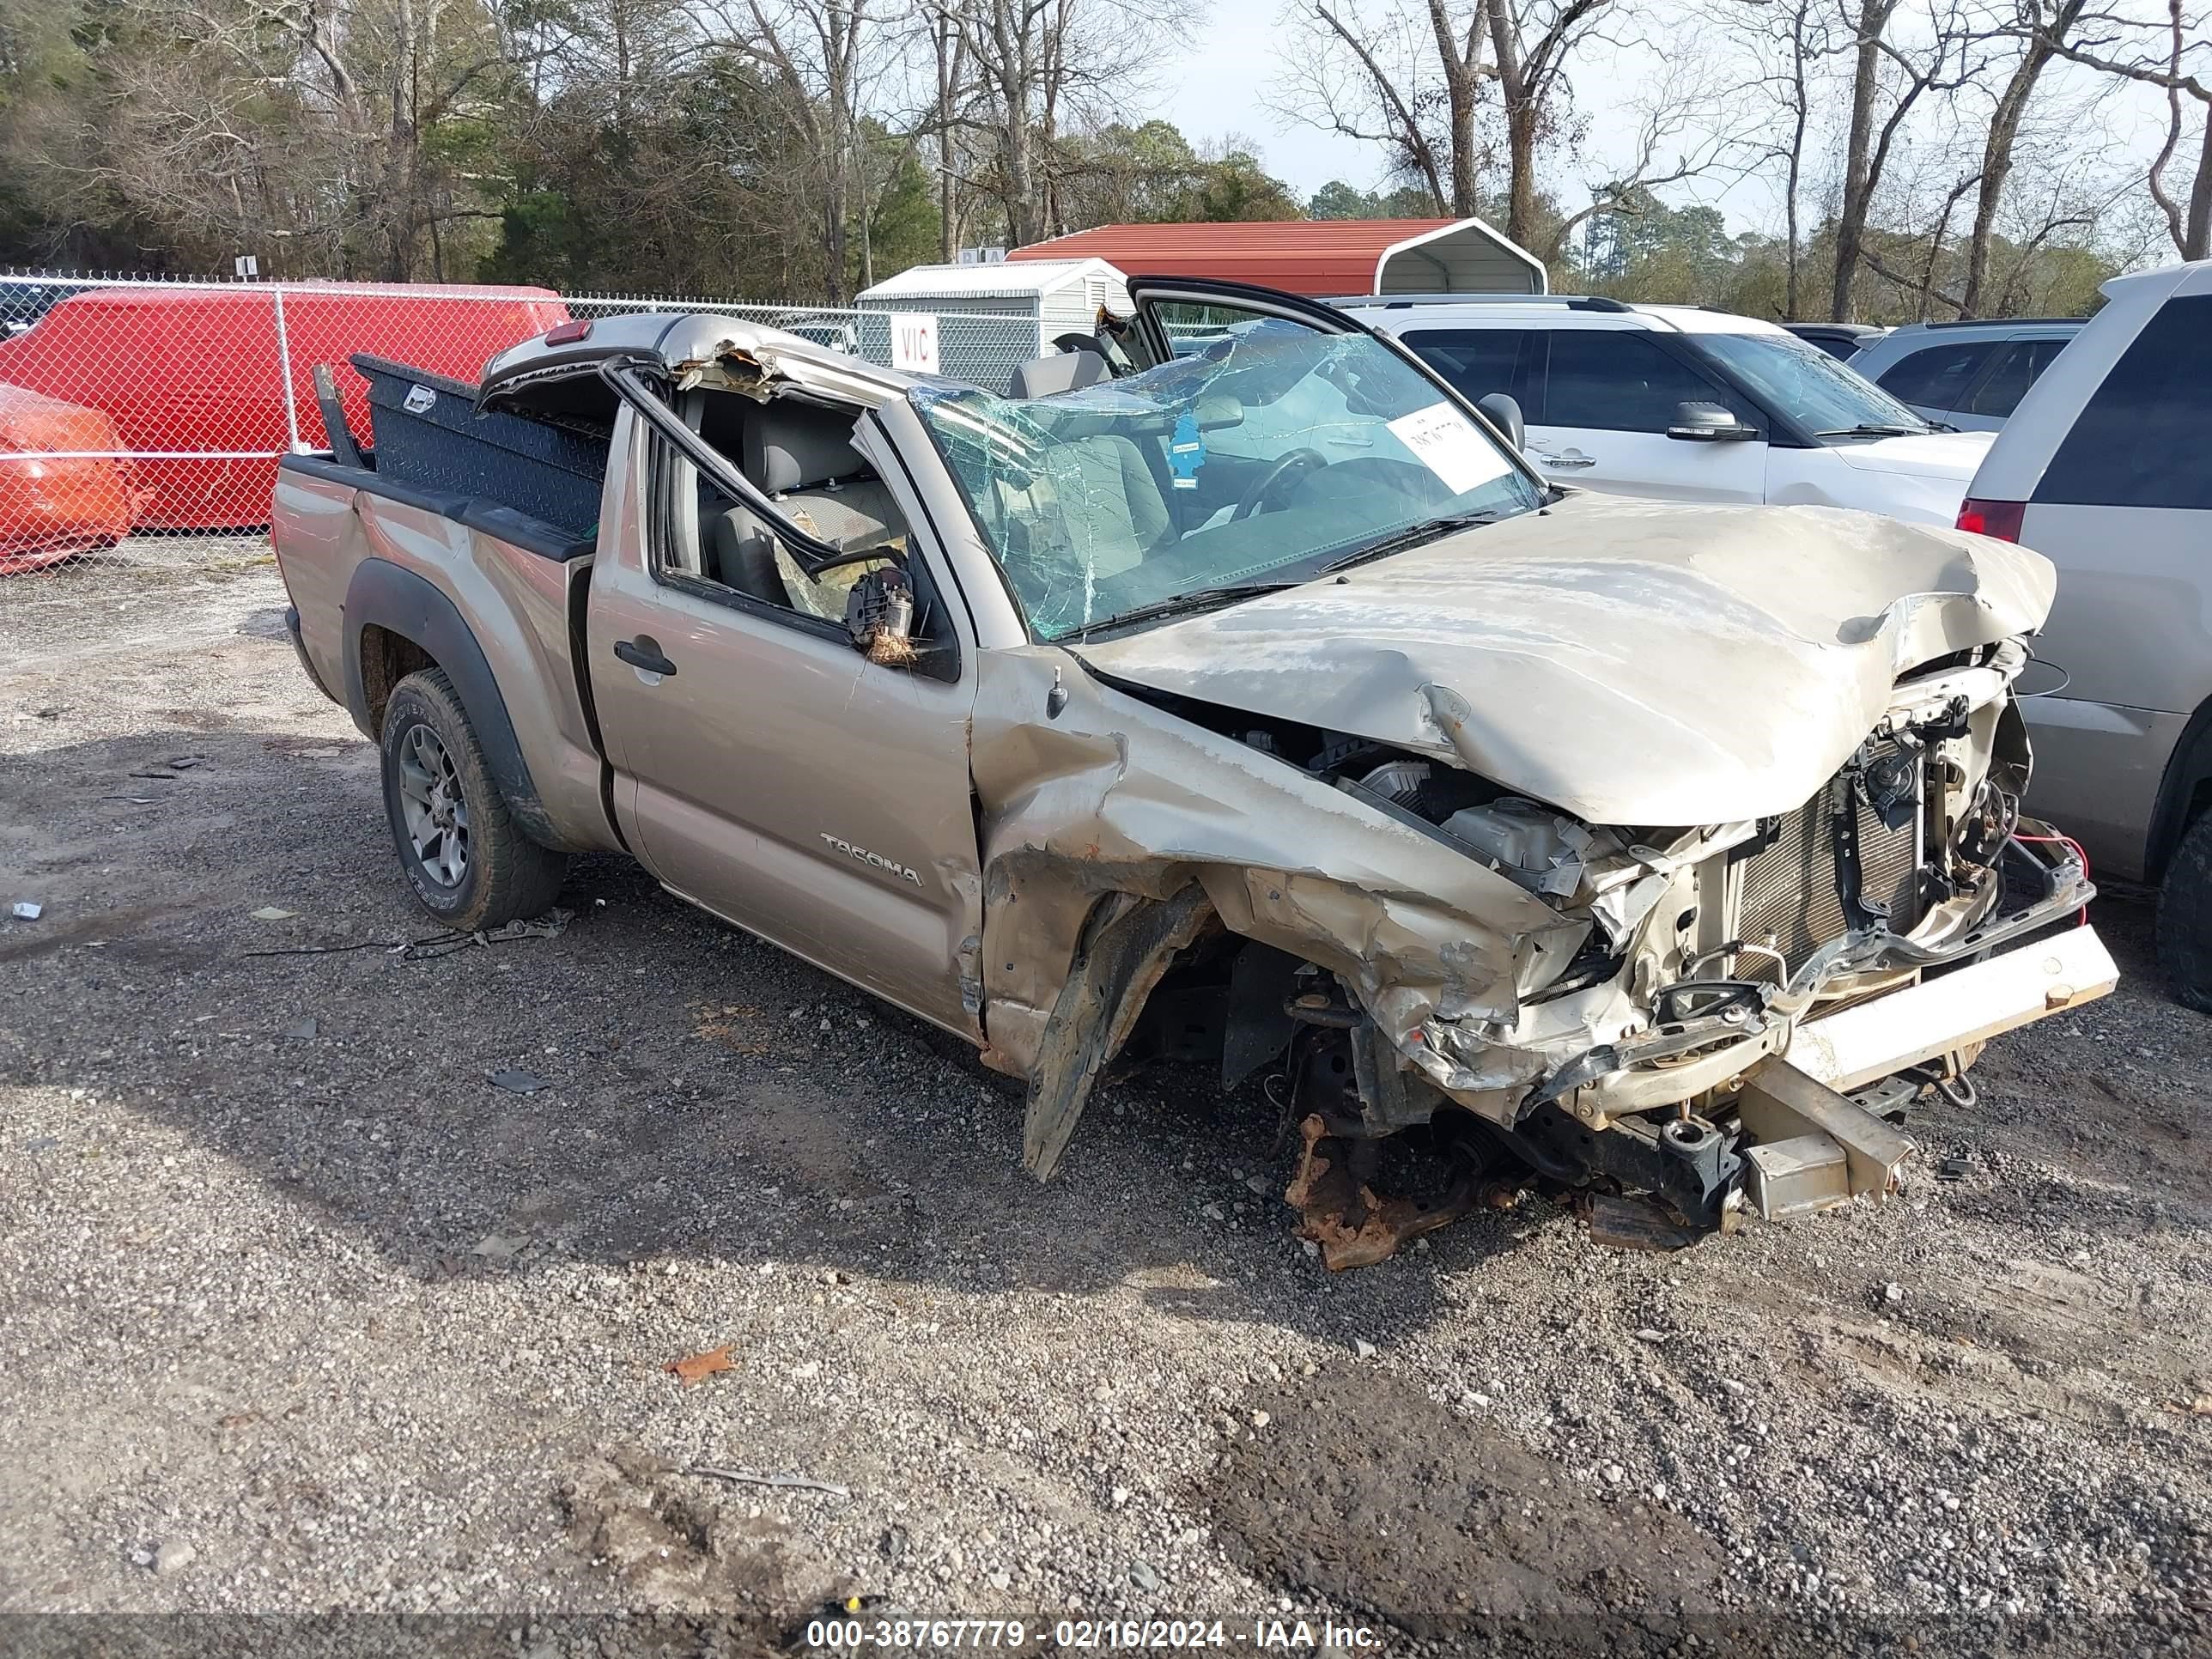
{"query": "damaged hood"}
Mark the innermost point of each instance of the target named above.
(1629, 662)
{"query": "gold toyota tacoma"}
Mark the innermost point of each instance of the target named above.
(1234, 693)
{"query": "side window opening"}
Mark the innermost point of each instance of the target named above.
(1477, 361)
(801, 456)
(2005, 384)
(2139, 440)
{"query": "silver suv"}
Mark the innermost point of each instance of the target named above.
(1969, 376)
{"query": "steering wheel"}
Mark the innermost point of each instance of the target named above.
(1297, 463)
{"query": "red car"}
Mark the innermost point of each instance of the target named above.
(61, 490)
(193, 378)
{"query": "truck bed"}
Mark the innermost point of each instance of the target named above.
(386, 577)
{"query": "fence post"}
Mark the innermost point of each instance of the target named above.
(284, 368)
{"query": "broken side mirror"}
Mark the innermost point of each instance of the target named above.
(1503, 412)
(1709, 423)
(880, 617)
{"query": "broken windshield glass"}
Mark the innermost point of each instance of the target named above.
(1262, 452)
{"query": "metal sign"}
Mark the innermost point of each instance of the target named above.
(913, 342)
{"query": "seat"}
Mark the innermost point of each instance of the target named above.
(1112, 507)
(743, 556)
(1066, 370)
(802, 458)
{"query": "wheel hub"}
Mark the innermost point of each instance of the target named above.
(432, 806)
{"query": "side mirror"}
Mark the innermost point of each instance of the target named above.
(1505, 413)
(1217, 411)
(880, 616)
(1709, 423)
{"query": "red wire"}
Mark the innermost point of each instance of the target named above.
(2065, 841)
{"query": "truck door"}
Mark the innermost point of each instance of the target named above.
(767, 770)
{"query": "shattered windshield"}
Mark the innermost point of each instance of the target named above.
(1262, 453)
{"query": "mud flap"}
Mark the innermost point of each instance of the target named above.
(1125, 948)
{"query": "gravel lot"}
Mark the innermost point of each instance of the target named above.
(300, 1311)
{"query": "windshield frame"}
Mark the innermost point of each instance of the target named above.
(1517, 474)
(1803, 432)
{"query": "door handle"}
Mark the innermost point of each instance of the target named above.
(1573, 458)
(644, 652)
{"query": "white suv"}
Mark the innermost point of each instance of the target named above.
(1686, 404)
(2106, 469)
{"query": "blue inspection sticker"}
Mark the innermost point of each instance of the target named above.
(1186, 452)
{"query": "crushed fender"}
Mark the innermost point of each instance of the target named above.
(1127, 948)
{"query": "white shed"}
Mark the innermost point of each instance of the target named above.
(1063, 295)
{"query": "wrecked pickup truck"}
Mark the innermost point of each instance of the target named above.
(1235, 694)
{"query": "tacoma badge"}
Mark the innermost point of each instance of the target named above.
(875, 858)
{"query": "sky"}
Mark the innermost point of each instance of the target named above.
(1214, 90)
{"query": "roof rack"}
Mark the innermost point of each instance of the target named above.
(1997, 322)
(1393, 301)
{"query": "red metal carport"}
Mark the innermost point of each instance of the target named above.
(1323, 257)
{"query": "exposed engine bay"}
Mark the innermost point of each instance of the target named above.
(1652, 1026)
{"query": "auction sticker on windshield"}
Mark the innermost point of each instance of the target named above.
(1441, 440)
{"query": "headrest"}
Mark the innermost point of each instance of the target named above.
(1066, 370)
(792, 446)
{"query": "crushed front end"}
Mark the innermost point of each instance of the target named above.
(1743, 1010)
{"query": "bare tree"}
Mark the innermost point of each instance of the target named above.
(2048, 26)
(1424, 82)
(1788, 41)
(1923, 284)
(2174, 54)
(1379, 72)
(1459, 56)
(814, 51)
(346, 126)
(948, 43)
(1043, 67)
(1535, 43)
(1938, 54)
(1684, 131)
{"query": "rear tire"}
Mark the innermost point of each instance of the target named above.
(469, 864)
(2184, 918)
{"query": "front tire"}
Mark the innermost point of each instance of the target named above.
(2184, 918)
(469, 864)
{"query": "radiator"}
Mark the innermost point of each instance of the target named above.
(1785, 892)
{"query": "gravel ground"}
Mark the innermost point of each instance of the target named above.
(304, 1311)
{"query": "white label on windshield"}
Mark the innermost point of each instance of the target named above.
(1443, 440)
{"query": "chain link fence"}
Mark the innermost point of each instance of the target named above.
(142, 419)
